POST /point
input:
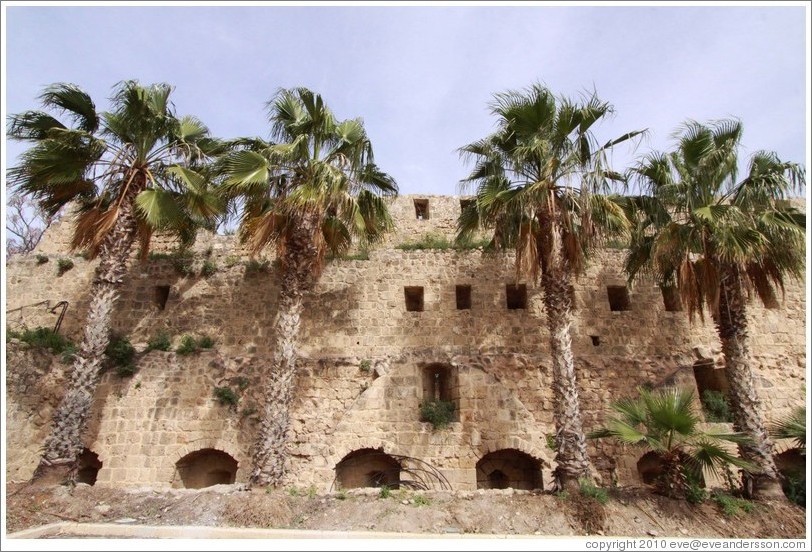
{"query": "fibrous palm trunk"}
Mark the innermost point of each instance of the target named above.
(298, 270)
(64, 444)
(571, 456)
(732, 327)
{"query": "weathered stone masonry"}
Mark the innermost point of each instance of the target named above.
(366, 360)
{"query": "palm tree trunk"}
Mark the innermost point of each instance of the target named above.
(571, 456)
(299, 268)
(59, 460)
(732, 327)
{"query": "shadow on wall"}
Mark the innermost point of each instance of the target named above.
(204, 468)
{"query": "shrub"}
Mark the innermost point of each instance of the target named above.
(589, 489)
(795, 489)
(209, 268)
(429, 241)
(44, 338)
(438, 413)
(42, 259)
(361, 255)
(695, 493)
(385, 492)
(226, 396)
(551, 442)
(205, 342)
(63, 265)
(159, 342)
(715, 406)
(187, 346)
(232, 260)
(365, 365)
(183, 264)
(420, 500)
(253, 266)
(731, 505)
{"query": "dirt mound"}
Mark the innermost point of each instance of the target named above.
(629, 512)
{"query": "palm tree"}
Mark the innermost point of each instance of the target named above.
(535, 177)
(717, 240)
(128, 172)
(665, 422)
(309, 191)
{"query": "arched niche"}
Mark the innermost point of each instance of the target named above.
(508, 468)
(206, 467)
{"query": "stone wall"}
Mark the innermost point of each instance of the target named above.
(365, 356)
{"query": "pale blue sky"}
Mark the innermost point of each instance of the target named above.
(421, 77)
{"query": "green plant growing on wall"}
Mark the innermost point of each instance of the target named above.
(44, 338)
(437, 412)
(183, 262)
(254, 266)
(365, 365)
(120, 354)
(205, 342)
(159, 342)
(715, 406)
(63, 265)
(42, 259)
(428, 241)
(551, 442)
(187, 346)
(209, 268)
(226, 396)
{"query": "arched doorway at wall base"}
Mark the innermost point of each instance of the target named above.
(509, 468)
(206, 467)
(368, 467)
(89, 466)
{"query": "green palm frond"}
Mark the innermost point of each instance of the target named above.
(316, 167)
(73, 101)
(713, 218)
(665, 422)
(97, 163)
(792, 427)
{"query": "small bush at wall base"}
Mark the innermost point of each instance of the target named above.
(731, 505)
(385, 492)
(795, 489)
(42, 259)
(226, 396)
(438, 413)
(63, 265)
(159, 342)
(589, 489)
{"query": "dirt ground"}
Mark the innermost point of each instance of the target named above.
(631, 512)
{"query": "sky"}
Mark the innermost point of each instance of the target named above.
(421, 77)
